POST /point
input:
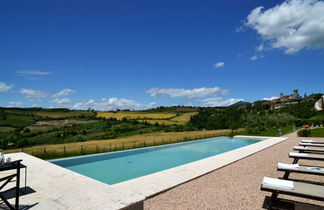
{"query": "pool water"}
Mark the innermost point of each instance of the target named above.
(115, 167)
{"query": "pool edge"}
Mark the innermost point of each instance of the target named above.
(156, 183)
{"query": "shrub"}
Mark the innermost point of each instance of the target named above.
(79, 138)
(22, 143)
(305, 132)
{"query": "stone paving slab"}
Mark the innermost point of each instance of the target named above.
(58, 188)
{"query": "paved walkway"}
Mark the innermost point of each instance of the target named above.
(237, 186)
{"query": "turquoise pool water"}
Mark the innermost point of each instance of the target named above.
(112, 168)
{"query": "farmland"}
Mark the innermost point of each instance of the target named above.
(130, 142)
(135, 115)
(64, 114)
(166, 118)
(27, 127)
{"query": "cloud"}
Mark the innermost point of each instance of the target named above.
(219, 101)
(4, 87)
(112, 104)
(33, 94)
(64, 92)
(33, 72)
(291, 26)
(256, 57)
(187, 93)
(219, 65)
(15, 104)
(270, 99)
(62, 101)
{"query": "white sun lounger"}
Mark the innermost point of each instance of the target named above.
(310, 145)
(289, 168)
(304, 156)
(311, 141)
(308, 149)
(299, 189)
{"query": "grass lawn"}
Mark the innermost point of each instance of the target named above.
(270, 132)
(318, 132)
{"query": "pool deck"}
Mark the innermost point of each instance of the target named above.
(53, 187)
(237, 186)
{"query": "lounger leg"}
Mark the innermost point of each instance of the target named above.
(273, 199)
(295, 160)
(286, 175)
(25, 179)
(17, 186)
(6, 202)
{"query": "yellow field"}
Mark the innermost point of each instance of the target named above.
(136, 115)
(165, 118)
(121, 143)
(183, 118)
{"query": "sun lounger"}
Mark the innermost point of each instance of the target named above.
(298, 189)
(312, 141)
(308, 149)
(310, 145)
(305, 156)
(289, 168)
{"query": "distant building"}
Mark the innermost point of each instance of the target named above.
(285, 100)
(293, 96)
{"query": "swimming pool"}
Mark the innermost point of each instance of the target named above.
(116, 167)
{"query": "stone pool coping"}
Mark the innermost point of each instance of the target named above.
(59, 188)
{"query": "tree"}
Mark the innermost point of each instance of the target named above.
(22, 143)
(305, 95)
(79, 138)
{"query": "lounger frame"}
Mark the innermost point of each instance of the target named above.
(276, 191)
(309, 150)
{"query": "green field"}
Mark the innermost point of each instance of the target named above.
(17, 121)
(317, 132)
(270, 131)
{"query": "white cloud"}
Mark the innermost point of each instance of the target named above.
(62, 101)
(112, 104)
(292, 25)
(219, 65)
(33, 94)
(4, 87)
(219, 101)
(271, 98)
(64, 92)
(33, 72)
(15, 104)
(256, 57)
(188, 93)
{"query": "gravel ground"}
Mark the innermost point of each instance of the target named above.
(237, 186)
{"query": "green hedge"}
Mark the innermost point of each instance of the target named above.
(305, 132)
(300, 122)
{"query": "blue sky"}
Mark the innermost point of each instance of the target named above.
(141, 54)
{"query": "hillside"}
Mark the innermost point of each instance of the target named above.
(21, 127)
